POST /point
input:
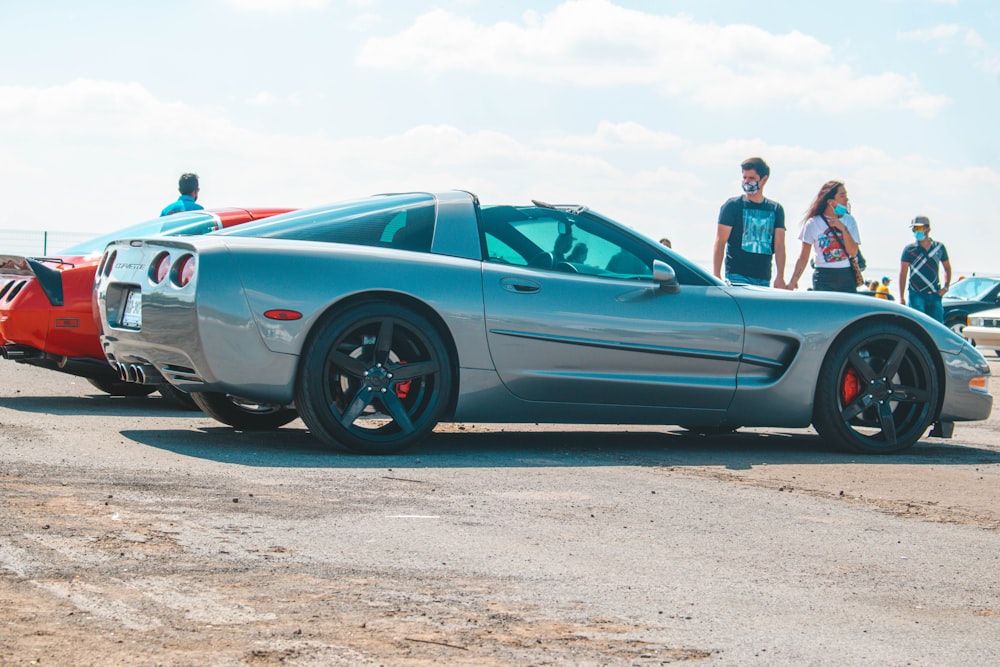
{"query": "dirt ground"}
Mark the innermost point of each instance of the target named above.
(131, 534)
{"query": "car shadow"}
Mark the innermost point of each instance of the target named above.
(100, 405)
(291, 447)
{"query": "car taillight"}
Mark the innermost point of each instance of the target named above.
(184, 270)
(159, 268)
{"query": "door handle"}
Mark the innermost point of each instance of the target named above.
(520, 285)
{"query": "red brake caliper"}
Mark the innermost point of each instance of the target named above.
(403, 388)
(850, 386)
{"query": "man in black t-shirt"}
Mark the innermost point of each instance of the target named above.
(750, 232)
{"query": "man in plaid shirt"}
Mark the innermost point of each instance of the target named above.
(921, 260)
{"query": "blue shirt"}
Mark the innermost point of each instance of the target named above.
(183, 203)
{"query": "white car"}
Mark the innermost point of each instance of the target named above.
(983, 329)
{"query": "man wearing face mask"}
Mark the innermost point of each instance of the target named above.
(751, 231)
(921, 260)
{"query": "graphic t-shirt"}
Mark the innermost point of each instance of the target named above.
(924, 266)
(829, 249)
(751, 238)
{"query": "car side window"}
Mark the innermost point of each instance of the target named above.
(402, 221)
(556, 240)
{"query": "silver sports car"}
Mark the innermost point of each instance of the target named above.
(375, 319)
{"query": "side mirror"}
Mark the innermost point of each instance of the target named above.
(664, 276)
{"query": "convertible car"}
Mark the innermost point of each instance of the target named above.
(46, 303)
(374, 319)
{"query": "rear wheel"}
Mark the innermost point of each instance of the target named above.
(243, 414)
(877, 391)
(116, 388)
(375, 379)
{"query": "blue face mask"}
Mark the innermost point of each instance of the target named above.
(840, 210)
(751, 187)
(920, 236)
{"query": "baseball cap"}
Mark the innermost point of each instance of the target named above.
(920, 221)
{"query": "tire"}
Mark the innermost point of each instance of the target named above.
(877, 391)
(958, 326)
(242, 414)
(374, 379)
(116, 388)
(177, 398)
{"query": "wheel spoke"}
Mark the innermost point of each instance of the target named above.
(895, 359)
(396, 408)
(347, 363)
(910, 394)
(404, 372)
(885, 418)
(856, 407)
(384, 341)
(861, 365)
(357, 405)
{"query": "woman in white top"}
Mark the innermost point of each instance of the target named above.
(831, 234)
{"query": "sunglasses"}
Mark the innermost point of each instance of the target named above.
(919, 228)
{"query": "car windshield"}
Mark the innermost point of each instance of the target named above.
(179, 224)
(972, 289)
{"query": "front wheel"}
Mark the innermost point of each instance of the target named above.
(877, 391)
(243, 414)
(375, 378)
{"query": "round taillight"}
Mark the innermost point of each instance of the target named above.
(159, 268)
(184, 273)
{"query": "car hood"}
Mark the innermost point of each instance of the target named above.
(765, 307)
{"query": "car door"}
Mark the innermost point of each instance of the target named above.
(593, 336)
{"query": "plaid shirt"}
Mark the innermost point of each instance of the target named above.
(924, 266)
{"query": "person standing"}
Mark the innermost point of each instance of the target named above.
(188, 187)
(921, 260)
(750, 232)
(831, 234)
(882, 291)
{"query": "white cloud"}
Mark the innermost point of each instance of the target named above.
(946, 36)
(263, 99)
(614, 135)
(933, 34)
(596, 43)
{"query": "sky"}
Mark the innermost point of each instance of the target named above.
(640, 110)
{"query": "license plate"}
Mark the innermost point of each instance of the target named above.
(132, 317)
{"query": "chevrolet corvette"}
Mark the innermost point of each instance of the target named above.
(46, 304)
(377, 318)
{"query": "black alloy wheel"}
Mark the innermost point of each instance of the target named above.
(877, 391)
(375, 379)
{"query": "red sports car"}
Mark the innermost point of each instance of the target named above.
(46, 313)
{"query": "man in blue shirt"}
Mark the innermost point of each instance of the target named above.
(188, 186)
